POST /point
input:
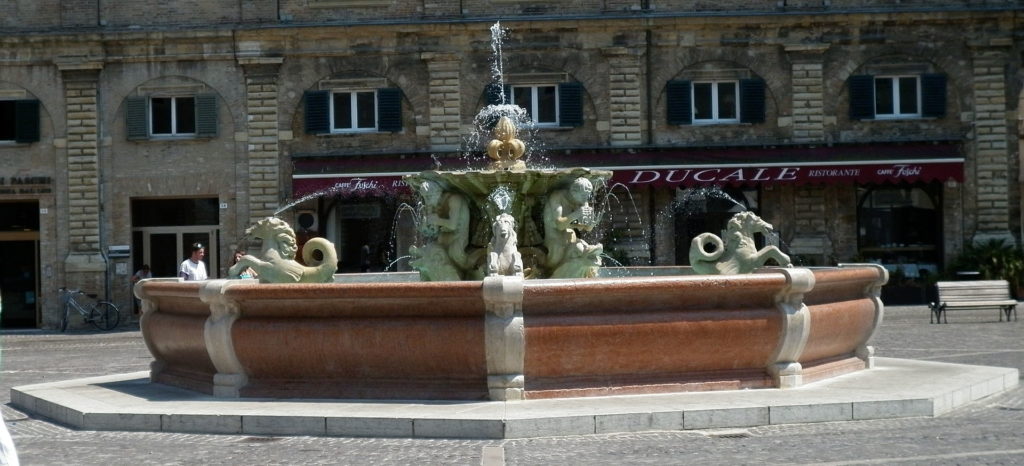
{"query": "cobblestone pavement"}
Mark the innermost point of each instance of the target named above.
(990, 431)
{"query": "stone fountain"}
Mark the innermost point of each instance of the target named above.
(474, 326)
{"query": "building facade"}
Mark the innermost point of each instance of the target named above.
(881, 130)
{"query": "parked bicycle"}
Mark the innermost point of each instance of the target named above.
(101, 314)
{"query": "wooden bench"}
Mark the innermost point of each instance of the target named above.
(979, 294)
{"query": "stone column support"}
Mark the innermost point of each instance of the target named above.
(84, 264)
(445, 101)
(263, 135)
(504, 337)
(784, 366)
(807, 69)
(231, 376)
(625, 77)
(991, 145)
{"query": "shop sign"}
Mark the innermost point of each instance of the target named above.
(865, 173)
(26, 185)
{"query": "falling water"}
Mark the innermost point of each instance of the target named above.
(497, 67)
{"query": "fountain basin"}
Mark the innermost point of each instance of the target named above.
(506, 338)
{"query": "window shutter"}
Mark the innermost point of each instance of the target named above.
(206, 116)
(136, 117)
(318, 114)
(933, 95)
(389, 109)
(570, 104)
(862, 97)
(678, 102)
(752, 100)
(26, 121)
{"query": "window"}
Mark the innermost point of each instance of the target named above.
(548, 105)
(19, 121)
(540, 102)
(715, 102)
(176, 116)
(353, 111)
(172, 116)
(897, 97)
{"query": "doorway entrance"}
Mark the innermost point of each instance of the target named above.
(19, 278)
(163, 231)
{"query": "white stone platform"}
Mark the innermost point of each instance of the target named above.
(894, 388)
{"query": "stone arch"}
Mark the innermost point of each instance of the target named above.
(836, 76)
(226, 114)
(51, 126)
(290, 96)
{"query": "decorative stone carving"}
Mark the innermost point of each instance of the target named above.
(503, 257)
(566, 212)
(736, 252)
(446, 228)
(276, 262)
(505, 149)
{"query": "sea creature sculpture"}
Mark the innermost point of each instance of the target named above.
(276, 262)
(504, 257)
(736, 252)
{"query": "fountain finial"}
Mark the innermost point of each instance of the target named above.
(505, 149)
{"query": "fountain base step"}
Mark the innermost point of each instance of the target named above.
(894, 388)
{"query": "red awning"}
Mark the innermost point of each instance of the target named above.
(685, 167)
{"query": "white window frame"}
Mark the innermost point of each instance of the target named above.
(354, 111)
(714, 120)
(174, 116)
(897, 114)
(535, 102)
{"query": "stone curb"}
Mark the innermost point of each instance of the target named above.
(895, 388)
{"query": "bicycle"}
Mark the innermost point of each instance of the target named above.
(103, 315)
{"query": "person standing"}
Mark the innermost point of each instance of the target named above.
(193, 268)
(142, 273)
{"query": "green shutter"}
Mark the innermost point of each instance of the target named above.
(570, 104)
(318, 114)
(26, 121)
(389, 109)
(678, 102)
(933, 95)
(752, 100)
(206, 116)
(862, 97)
(136, 117)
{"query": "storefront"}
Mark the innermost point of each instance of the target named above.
(891, 195)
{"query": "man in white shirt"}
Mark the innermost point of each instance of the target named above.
(194, 268)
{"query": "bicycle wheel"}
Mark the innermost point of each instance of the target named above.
(104, 315)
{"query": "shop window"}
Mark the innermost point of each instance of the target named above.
(154, 117)
(547, 105)
(901, 226)
(715, 102)
(353, 111)
(897, 97)
(19, 121)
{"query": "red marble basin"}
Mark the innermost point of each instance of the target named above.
(505, 338)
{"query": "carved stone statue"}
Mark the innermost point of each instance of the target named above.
(565, 212)
(276, 262)
(446, 225)
(736, 252)
(503, 257)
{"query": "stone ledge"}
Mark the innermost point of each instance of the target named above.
(896, 388)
